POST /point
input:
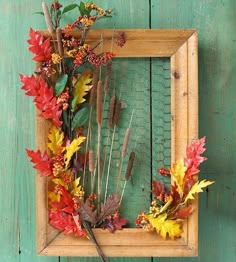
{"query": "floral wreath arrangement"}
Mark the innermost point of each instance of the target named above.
(67, 86)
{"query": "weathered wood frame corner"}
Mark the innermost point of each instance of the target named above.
(181, 46)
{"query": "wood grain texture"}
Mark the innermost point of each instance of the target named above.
(217, 51)
(215, 21)
(183, 81)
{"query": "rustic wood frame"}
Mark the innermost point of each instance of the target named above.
(182, 48)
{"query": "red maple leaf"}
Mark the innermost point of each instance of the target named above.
(42, 162)
(40, 47)
(31, 85)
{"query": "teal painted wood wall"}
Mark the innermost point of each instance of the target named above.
(216, 22)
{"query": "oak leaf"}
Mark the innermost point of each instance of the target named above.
(183, 213)
(30, 84)
(40, 47)
(72, 148)
(165, 226)
(42, 162)
(177, 173)
(55, 138)
(111, 205)
(197, 188)
(82, 87)
(86, 213)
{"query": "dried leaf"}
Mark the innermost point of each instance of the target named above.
(177, 173)
(82, 87)
(42, 162)
(184, 213)
(87, 214)
(55, 138)
(40, 47)
(157, 189)
(72, 148)
(197, 188)
(165, 226)
(76, 189)
(110, 207)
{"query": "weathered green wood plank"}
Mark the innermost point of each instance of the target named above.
(17, 205)
(215, 20)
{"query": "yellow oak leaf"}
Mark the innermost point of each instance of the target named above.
(177, 172)
(197, 188)
(53, 196)
(72, 148)
(58, 181)
(76, 188)
(165, 226)
(82, 86)
(55, 138)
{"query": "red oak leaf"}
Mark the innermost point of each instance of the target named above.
(194, 158)
(184, 213)
(120, 222)
(42, 162)
(47, 103)
(40, 47)
(31, 85)
(66, 222)
(175, 194)
(158, 190)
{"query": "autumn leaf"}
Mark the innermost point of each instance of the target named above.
(58, 181)
(54, 197)
(86, 213)
(177, 173)
(194, 158)
(40, 47)
(183, 213)
(158, 189)
(111, 206)
(76, 189)
(165, 226)
(30, 84)
(55, 138)
(82, 87)
(197, 188)
(42, 162)
(72, 148)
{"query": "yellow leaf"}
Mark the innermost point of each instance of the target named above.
(72, 148)
(82, 86)
(197, 188)
(55, 138)
(76, 189)
(53, 196)
(165, 226)
(58, 181)
(177, 173)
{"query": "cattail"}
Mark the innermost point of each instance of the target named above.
(117, 112)
(111, 111)
(59, 41)
(47, 17)
(91, 161)
(130, 165)
(94, 86)
(107, 77)
(99, 103)
(126, 142)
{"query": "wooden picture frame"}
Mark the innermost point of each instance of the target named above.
(181, 46)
